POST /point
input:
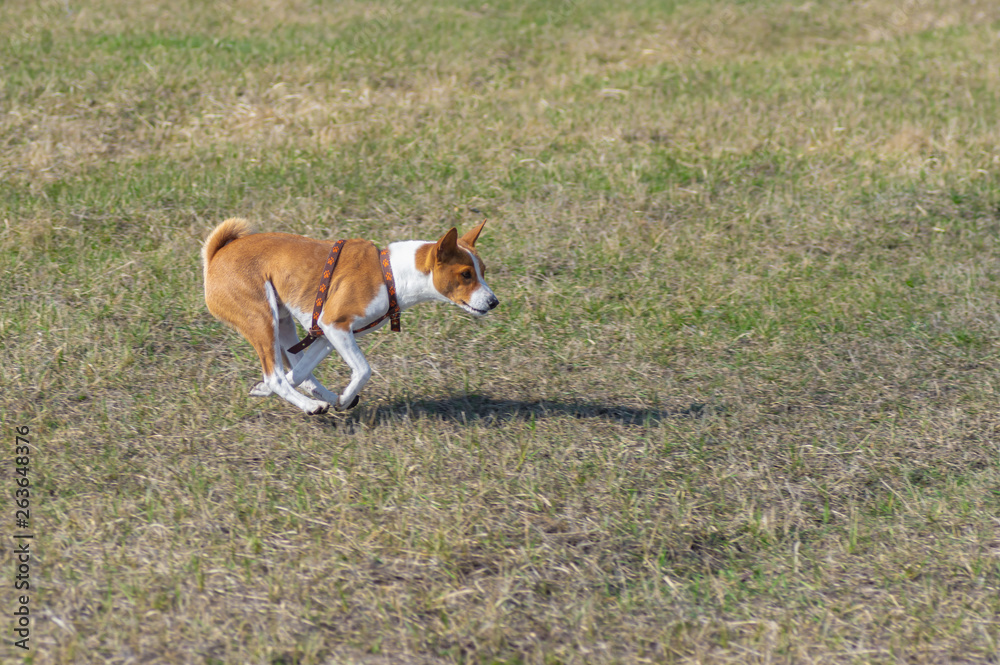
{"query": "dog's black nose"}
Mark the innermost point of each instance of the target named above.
(493, 302)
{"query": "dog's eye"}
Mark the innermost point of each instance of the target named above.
(467, 274)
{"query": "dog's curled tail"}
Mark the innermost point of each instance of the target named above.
(232, 229)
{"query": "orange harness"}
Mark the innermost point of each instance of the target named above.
(315, 332)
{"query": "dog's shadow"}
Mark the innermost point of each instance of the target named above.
(492, 412)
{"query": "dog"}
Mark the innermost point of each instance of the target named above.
(260, 283)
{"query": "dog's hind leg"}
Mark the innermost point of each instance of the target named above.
(269, 348)
(301, 364)
(257, 320)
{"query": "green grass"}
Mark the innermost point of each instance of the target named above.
(738, 403)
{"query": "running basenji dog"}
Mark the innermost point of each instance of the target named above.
(259, 282)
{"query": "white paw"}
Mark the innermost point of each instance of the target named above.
(317, 408)
(260, 389)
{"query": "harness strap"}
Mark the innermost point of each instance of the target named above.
(315, 332)
(394, 310)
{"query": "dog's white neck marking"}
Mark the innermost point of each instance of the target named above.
(412, 285)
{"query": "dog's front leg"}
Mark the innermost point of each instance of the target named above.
(303, 365)
(345, 344)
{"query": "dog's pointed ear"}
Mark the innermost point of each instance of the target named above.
(447, 245)
(472, 235)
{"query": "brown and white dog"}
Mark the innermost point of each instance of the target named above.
(259, 282)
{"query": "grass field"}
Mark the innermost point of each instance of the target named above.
(739, 403)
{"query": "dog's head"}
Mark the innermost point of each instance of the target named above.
(459, 273)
